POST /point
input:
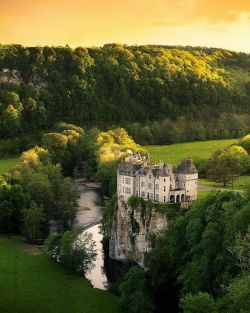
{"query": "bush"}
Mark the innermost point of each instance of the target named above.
(74, 249)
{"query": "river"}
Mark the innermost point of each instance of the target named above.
(89, 215)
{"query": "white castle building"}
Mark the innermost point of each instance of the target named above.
(137, 176)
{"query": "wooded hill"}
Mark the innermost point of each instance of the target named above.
(119, 84)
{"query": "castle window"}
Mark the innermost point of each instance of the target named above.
(164, 188)
(164, 199)
(142, 184)
(164, 180)
(152, 196)
(157, 187)
(127, 180)
(171, 187)
(149, 185)
(156, 197)
(143, 194)
(128, 190)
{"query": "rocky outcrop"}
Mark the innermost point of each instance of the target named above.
(132, 228)
(13, 76)
(10, 76)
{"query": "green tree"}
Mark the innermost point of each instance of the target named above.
(33, 219)
(200, 303)
(237, 298)
(229, 166)
(134, 294)
(74, 249)
(245, 142)
(10, 121)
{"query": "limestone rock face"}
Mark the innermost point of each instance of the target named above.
(10, 76)
(131, 231)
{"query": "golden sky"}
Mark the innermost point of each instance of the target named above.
(213, 23)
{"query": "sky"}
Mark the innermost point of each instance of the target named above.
(212, 23)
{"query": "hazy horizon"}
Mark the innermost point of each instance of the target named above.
(219, 24)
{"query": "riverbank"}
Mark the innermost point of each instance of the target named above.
(30, 282)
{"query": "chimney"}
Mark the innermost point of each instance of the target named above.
(189, 162)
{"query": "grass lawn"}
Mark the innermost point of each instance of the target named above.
(177, 152)
(238, 184)
(32, 283)
(202, 194)
(7, 163)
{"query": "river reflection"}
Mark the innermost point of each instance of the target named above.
(90, 213)
(97, 276)
(90, 204)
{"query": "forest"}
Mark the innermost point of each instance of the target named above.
(161, 95)
(129, 86)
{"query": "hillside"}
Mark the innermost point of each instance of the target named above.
(119, 85)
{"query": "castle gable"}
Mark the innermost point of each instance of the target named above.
(186, 167)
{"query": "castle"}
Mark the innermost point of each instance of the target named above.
(137, 176)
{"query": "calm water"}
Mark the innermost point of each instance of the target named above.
(90, 212)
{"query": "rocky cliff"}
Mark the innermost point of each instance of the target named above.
(132, 226)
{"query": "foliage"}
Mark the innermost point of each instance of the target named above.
(74, 249)
(245, 142)
(134, 86)
(37, 182)
(200, 303)
(109, 215)
(134, 295)
(202, 252)
(32, 222)
(241, 250)
(13, 200)
(238, 297)
(226, 165)
(111, 147)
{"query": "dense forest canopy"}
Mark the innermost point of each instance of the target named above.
(118, 84)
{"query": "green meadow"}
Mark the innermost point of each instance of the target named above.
(239, 183)
(7, 163)
(177, 152)
(30, 282)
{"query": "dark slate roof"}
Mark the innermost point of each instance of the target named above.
(137, 166)
(126, 168)
(186, 167)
